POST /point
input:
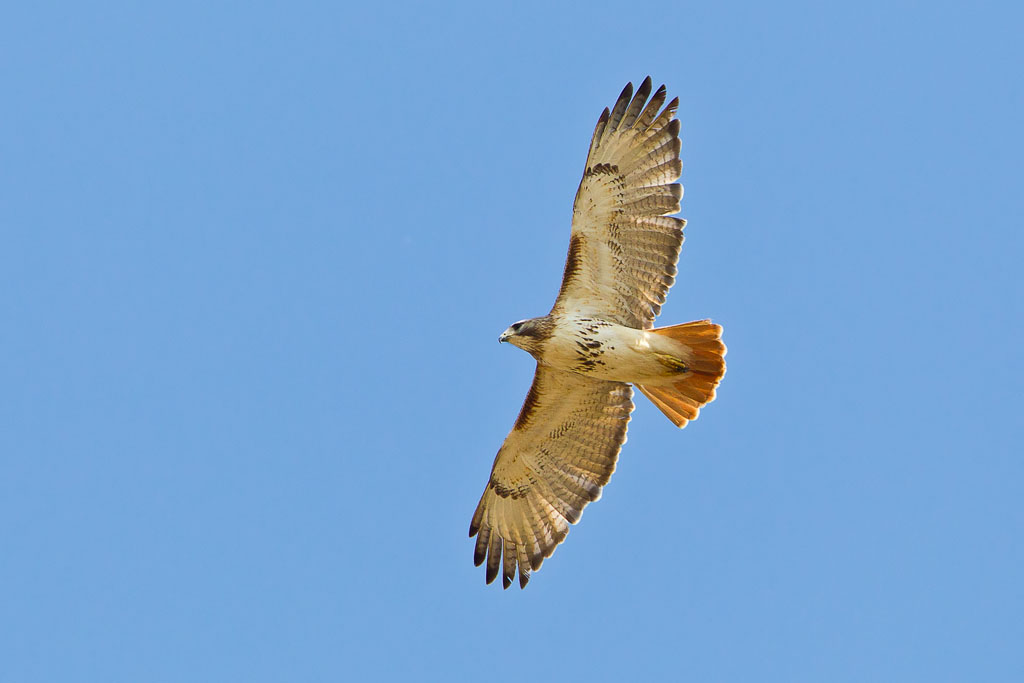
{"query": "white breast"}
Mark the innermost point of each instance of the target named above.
(606, 350)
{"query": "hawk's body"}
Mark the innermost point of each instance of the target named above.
(606, 350)
(597, 340)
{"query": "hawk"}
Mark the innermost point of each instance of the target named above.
(598, 340)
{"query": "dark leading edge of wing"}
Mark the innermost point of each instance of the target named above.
(554, 462)
(624, 246)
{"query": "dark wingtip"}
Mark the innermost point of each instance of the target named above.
(627, 92)
(480, 547)
(524, 578)
(506, 581)
(492, 573)
(604, 115)
(645, 89)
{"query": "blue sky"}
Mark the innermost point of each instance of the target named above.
(254, 260)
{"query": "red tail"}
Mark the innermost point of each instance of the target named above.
(681, 399)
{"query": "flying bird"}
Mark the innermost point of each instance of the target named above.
(598, 340)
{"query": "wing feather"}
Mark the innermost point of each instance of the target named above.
(635, 107)
(627, 188)
(493, 557)
(560, 453)
(619, 110)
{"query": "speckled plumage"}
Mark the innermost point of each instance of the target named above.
(597, 339)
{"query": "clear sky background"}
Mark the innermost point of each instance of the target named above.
(254, 260)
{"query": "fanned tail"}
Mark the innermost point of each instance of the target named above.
(704, 356)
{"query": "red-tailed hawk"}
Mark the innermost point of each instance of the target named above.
(597, 340)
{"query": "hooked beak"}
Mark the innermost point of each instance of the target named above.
(504, 337)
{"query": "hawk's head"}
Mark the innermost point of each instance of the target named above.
(528, 335)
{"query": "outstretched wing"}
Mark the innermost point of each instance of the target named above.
(624, 246)
(559, 454)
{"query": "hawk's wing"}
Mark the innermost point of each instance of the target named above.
(624, 247)
(559, 454)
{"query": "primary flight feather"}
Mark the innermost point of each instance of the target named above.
(597, 341)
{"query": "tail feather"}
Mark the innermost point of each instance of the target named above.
(675, 407)
(682, 398)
